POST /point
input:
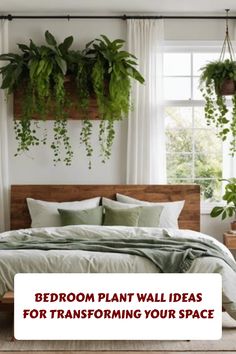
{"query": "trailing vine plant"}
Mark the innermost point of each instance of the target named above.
(102, 70)
(112, 72)
(217, 112)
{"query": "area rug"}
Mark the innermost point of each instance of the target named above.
(227, 343)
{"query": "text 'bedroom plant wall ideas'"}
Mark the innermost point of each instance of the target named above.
(52, 81)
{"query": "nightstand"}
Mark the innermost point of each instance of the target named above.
(230, 240)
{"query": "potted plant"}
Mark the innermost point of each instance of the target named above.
(229, 209)
(102, 70)
(217, 80)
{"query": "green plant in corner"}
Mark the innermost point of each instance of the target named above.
(229, 196)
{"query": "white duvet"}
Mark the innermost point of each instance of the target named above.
(76, 261)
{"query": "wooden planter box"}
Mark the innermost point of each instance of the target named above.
(74, 112)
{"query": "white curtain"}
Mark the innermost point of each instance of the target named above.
(4, 176)
(146, 141)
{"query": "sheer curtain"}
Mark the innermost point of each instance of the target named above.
(146, 161)
(4, 176)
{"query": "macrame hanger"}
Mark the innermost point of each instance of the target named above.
(227, 42)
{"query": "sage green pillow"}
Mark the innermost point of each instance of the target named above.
(121, 217)
(91, 216)
(150, 216)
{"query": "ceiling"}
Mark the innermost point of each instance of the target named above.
(117, 6)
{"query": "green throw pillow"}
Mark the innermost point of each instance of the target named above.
(91, 216)
(150, 216)
(122, 217)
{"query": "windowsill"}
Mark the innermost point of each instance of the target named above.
(206, 208)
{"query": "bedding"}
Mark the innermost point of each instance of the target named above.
(45, 214)
(119, 249)
(170, 214)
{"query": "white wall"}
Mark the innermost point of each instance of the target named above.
(38, 166)
(210, 30)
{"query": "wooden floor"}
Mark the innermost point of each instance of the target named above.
(8, 298)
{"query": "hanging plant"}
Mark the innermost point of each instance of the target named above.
(80, 67)
(218, 80)
(216, 108)
(112, 72)
(40, 70)
(102, 71)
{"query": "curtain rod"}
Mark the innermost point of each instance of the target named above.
(120, 17)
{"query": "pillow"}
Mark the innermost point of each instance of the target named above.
(170, 214)
(44, 214)
(91, 216)
(149, 215)
(122, 217)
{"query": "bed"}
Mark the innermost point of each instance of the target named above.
(96, 252)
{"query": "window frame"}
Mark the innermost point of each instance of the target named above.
(228, 162)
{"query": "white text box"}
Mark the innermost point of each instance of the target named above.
(118, 306)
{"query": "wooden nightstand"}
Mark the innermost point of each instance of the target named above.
(230, 240)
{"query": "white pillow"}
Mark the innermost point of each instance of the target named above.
(170, 214)
(116, 205)
(45, 214)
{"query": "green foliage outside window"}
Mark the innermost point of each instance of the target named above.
(193, 155)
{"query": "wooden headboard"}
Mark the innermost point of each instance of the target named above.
(189, 218)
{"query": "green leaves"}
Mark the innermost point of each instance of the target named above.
(63, 47)
(230, 197)
(103, 69)
(216, 211)
(62, 65)
(212, 79)
(50, 39)
(225, 212)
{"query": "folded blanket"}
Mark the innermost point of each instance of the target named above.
(174, 255)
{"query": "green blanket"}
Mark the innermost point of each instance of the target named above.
(171, 255)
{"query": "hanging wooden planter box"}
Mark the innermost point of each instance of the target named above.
(74, 112)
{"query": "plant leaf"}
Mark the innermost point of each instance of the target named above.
(50, 39)
(216, 211)
(63, 47)
(62, 64)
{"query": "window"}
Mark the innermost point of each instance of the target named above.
(194, 153)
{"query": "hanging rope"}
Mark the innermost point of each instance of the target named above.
(227, 42)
